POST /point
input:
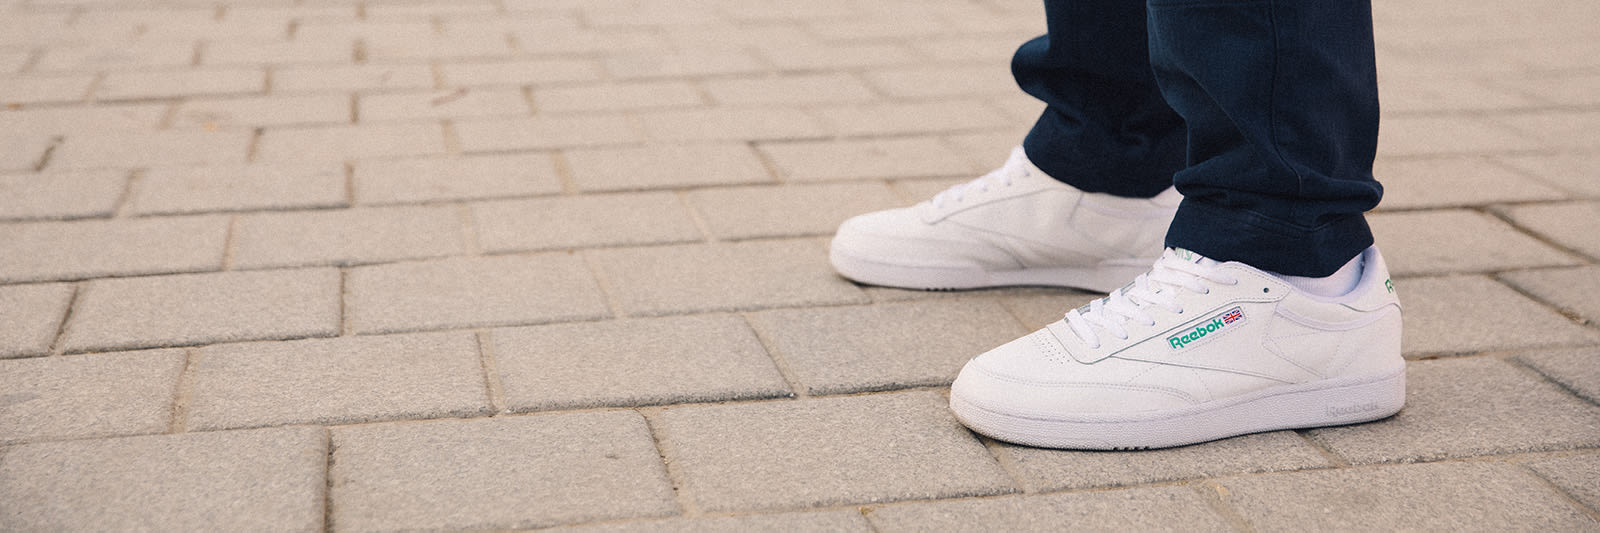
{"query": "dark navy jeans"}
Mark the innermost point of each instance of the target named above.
(1263, 113)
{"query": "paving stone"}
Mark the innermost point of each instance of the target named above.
(388, 76)
(1146, 509)
(786, 211)
(1469, 407)
(941, 81)
(1423, 135)
(579, 42)
(100, 119)
(1457, 181)
(88, 57)
(1465, 314)
(722, 277)
(30, 316)
(1022, 108)
(180, 83)
(94, 248)
(1048, 470)
(857, 159)
(880, 29)
(402, 11)
(1565, 129)
(582, 221)
(387, 30)
(838, 56)
(337, 381)
(1444, 241)
(340, 143)
(30, 89)
(730, 124)
(826, 452)
(83, 396)
(616, 97)
(1444, 496)
(192, 309)
(228, 480)
(1570, 224)
(456, 178)
(1579, 476)
(1418, 95)
(1037, 307)
(969, 49)
(706, 358)
(114, 149)
(687, 63)
(402, 47)
(180, 190)
(1573, 172)
(347, 236)
(472, 292)
(789, 90)
(989, 150)
(738, 37)
(890, 346)
(501, 134)
(498, 473)
(443, 104)
(520, 72)
(272, 52)
(1573, 289)
(843, 521)
(23, 152)
(904, 118)
(1577, 369)
(276, 110)
(651, 15)
(661, 166)
(59, 195)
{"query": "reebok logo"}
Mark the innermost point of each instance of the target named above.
(1222, 320)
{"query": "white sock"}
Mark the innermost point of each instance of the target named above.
(1339, 283)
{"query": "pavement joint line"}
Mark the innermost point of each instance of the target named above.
(699, 221)
(1216, 496)
(469, 230)
(1530, 371)
(687, 506)
(1499, 213)
(183, 391)
(327, 481)
(1500, 163)
(345, 328)
(61, 329)
(1006, 462)
(49, 150)
(1574, 316)
(529, 99)
(452, 139)
(797, 390)
(1333, 457)
(613, 300)
(1592, 513)
(253, 149)
(491, 372)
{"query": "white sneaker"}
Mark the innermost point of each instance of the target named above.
(1013, 226)
(1193, 351)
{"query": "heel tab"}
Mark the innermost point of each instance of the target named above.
(1376, 288)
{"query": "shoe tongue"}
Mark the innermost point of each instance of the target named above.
(1188, 256)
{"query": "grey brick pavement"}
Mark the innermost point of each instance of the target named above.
(406, 223)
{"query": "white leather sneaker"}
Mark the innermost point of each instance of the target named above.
(1193, 351)
(1012, 226)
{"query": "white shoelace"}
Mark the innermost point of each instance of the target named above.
(1015, 167)
(1159, 287)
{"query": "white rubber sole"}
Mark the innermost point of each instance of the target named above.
(1105, 277)
(1330, 402)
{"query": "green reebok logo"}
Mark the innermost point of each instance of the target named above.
(1222, 320)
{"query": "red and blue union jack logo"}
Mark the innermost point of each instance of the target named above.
(1233, 315)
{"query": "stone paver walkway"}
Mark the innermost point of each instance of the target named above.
(375, 265)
